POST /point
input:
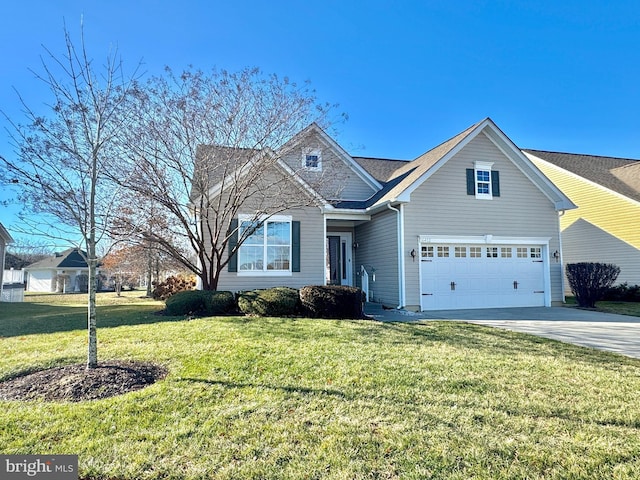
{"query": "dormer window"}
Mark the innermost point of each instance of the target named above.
(312, 160)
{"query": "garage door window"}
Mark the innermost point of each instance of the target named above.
(536, 252)
(492, 252)
(523, 252)
(475, 252)
(427, 252)
(460, 252)
(443, 252)
(505, 252)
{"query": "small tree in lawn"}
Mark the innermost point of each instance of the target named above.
(589, 282)
(62, 158)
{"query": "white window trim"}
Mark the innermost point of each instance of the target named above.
(484, 167)
(264, 272)
(312, 151)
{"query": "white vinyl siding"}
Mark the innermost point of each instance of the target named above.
(441, 206)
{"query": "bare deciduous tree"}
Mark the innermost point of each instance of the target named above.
(62, 157)
(206, 148)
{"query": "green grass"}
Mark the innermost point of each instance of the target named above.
(299, 398)
(622, 308)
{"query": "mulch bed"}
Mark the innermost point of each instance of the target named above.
(76, 383)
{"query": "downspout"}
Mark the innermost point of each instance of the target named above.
(401, 293)
(324, 247)
(560, 214)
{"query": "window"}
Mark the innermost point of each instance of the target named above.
(460, 252)
(483, 184)
(492, 252)
(505, 252)
(443, 252)
(312, 160)
(536, 252)
(426, 251)
(482, 181)
(522, 252)
(475, 252)
(268, 247)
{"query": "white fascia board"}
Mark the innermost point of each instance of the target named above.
(5, 234)
(344, 214)
(484, 240)
(351, 163)
(331, 143)
(301, 181)
(406, 194)
(525, 165)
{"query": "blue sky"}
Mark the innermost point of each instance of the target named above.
(553, 75)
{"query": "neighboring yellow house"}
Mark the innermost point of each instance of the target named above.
(606, 225)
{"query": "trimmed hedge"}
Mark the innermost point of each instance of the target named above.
(200, 302)
(271, 302)
(220, 303)
(332, 301)
(623, 293)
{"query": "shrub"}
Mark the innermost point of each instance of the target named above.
(173, 285)
(589, 282)
(220, 303)
(200, 302)
(188, 302)
(332, 301)
(623, 293)
(272, 302)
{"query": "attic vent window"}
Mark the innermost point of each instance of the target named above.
(312, 160)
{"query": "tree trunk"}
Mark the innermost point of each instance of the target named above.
(149, 274)
(92, 354)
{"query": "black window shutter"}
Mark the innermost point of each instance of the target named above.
(232, 266)
(495, 183)
(471, 182)
(295, 246)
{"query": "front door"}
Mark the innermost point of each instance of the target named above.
(339, 263)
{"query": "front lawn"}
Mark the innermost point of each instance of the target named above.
(298, 398)
(622, 308)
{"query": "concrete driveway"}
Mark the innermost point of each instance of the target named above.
(604, 331)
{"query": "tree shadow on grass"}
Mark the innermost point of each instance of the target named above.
(283, 388)
(32, 318)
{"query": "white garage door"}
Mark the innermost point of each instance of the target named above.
(481, 276)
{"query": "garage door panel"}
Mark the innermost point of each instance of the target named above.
(483, 277)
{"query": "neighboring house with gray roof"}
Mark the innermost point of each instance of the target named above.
(471, 223)
(606, 226)
(64, 272)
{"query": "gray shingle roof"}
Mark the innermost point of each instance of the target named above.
(622, 175)
(70, 258)
(381, 169)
